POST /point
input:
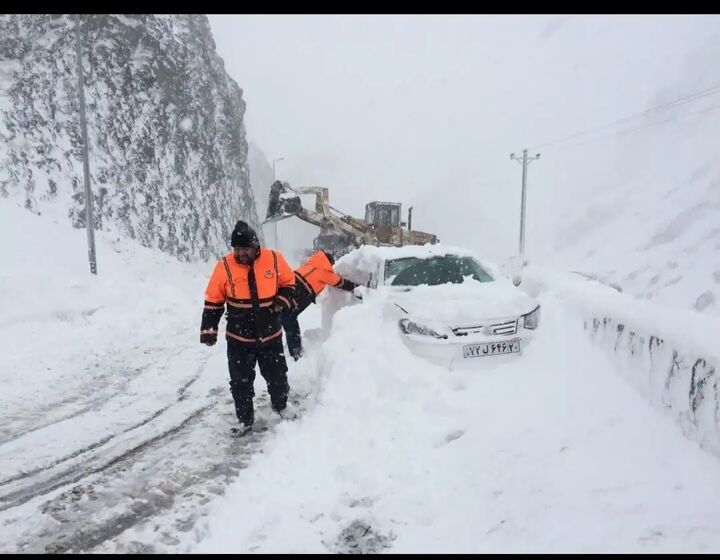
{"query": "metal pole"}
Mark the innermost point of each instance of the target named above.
(89, 225)
(277, 241)
(525, 161)
(522, 208)
(276, 159)
(276, 225)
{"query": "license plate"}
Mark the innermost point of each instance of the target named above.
(491, 348)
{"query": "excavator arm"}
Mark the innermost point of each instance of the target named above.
(338, 231)
(285, 202)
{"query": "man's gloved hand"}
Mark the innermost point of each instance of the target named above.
(208, 338)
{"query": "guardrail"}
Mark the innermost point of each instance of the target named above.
(684, 382)
(672, 356)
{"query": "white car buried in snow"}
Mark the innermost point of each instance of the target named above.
(450, 307)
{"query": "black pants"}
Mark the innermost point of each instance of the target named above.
(290, 323)
(241, 361)
(291, 326)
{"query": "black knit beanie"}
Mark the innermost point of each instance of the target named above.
(244, 236)
(330, 257)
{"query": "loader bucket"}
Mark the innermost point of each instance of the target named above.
(274, 209)
(280, 205)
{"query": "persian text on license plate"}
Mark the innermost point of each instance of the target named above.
(491, 348)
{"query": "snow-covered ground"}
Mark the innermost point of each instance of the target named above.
(111, 411)
(551, 452)
(115, 429)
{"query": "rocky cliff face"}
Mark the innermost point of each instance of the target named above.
(168, 153)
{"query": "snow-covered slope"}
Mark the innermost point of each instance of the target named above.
(71, 339)
(168, 154)
(638, 203)
(100, 379)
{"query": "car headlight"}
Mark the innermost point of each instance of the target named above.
(408, 327)
(532, 319)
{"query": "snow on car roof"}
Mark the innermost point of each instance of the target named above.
(359, 263)
(371, 252)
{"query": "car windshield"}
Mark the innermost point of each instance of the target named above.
(414, 271)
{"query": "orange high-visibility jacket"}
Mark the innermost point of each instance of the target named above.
(317, 272)
(250, 293)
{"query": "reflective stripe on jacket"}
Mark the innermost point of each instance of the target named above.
(250, 293)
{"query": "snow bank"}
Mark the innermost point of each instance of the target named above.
(69, 337)
(533, 455)
(670, 355)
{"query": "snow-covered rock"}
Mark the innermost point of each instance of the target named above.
(168, 153)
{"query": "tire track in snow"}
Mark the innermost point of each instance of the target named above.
(117, 377)
(162, 481)
(73, 472)
(180, 485)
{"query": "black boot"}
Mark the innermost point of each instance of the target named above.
(278, 395)
(245, 411)
(242, 429)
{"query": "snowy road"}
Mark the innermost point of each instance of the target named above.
(552, 452)
(114, 426)
(161, 457)
(112, 416)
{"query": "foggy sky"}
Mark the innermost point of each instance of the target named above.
(425, 109)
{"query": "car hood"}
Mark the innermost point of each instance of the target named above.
(462, 304)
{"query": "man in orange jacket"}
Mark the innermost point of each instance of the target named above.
(310, 279)
(256, 284)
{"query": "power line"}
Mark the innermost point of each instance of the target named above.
(631, 130)
(677, 102)
(680, 101)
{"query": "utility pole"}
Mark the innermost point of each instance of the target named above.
(277, 241)
(276, 159)
(89, 224)
(524, 161)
